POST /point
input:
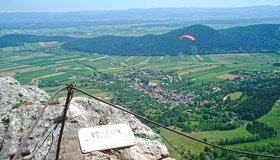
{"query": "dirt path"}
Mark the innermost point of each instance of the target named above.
(129, 58)
(199, 57)
(98, 58)
(196, 70)
(146, 61)
(227, 76)
(50, 75)
(15, 67)
(11, 74)
(69, 60)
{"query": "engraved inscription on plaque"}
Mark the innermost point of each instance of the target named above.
(105, 137)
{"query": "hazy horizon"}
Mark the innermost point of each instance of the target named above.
(132, 9)
(109, 5)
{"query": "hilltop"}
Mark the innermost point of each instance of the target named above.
(20, 105)
(255, 38)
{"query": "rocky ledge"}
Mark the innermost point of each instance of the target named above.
(20, 105)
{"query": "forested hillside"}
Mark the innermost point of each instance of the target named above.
(255, 38)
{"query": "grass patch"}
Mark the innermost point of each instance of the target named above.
(181, 143)
(272, 120)
(228, 76)
(235, 95)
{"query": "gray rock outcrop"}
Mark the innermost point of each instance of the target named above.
(20, 104)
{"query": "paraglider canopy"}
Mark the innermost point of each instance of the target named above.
(188, 36)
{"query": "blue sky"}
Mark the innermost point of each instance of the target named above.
(77, 5)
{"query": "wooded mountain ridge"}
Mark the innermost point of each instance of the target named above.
(250, 39)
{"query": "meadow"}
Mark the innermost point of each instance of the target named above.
(36, 67)
(29, 65)
(177, 144)
(32, 64)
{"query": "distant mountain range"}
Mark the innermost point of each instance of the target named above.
(162, 16)
(254, 38)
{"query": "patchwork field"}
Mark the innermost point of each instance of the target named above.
(38, 65)
(51, 71)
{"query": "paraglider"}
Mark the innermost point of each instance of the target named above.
(191, 38)
(188, 36)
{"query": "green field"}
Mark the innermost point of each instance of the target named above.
(176, 143)
(195, 147)
(233, 96)
(31, 65)
(94, 31)
(36, 67)
(272, 120)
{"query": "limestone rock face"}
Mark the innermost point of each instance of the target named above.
(19, 106)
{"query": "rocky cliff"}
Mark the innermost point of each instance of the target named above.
(20, 104)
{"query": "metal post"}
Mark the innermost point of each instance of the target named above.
(25, 138)
(67, 103)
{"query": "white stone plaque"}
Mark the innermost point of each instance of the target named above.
(105, 137)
